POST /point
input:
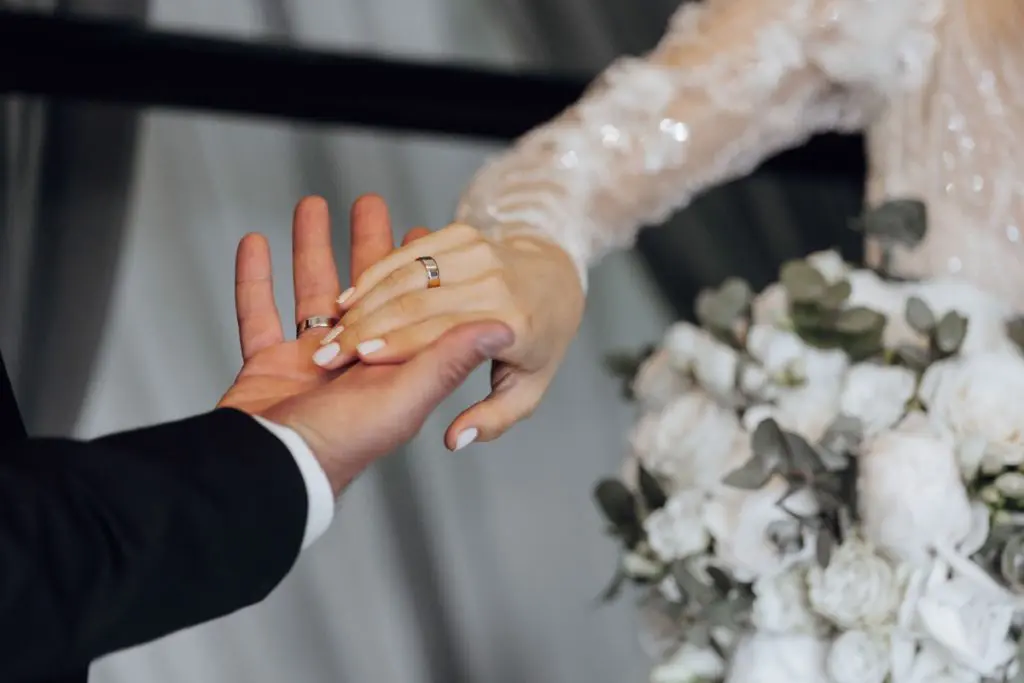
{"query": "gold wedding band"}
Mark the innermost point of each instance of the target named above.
(315, 322)
(433, 272)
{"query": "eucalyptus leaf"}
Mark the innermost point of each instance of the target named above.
(616, 502)
(899, 221)
(824, 546)
(722, 582)
(1011, 562)
(950, 333)
(919, 316)
(836, 295)
(651, 491)
(768, 444)
(802, 282)
(692, 587)
(859, 320)
(863, 346)
(914, 357)
(750, 476)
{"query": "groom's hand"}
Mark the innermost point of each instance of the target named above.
(347, 418)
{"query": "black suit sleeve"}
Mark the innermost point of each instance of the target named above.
(115, 542)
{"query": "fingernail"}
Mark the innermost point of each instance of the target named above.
(325, 354)
(466, 437)
(370, 346)
(346, 295)
(492, 342)
(332, 335)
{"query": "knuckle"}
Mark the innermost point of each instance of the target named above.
(463, 231)
(483, 255)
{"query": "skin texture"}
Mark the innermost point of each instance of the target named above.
(348, 417)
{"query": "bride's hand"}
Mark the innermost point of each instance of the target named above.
(529, 284)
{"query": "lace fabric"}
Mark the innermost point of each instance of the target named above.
(938, 84)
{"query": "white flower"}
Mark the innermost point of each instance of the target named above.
(781, 604)
(770, 307)
(677, 529)
(660, 380)
(637, 566)
(745, 526)
(858, 589)
(910, 493)
(977, 398)
(970, 621)
(858, 657)
(876, 395)
(986, 314)
(812, 406)
(764, 658)
(712, 363)
(689, 664)
(929, 663)
(887, 298)
(690, 441)
(830, 264)
(668, 587)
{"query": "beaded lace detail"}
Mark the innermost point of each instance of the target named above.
(938, 84)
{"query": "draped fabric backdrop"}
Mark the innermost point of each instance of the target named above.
(116, 247)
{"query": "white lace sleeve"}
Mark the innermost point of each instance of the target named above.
(730, 83)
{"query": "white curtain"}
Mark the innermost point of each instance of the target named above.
(481, 566)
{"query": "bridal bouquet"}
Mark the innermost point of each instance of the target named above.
(827, 481)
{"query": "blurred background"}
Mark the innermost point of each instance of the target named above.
(117, 235)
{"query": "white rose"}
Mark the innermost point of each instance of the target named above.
(977, 398)
(876, 395)
(910, 493)
(830, 264)
(812, 406)
(742, 524)
(970, 621)
(712, 363)
(929, 663)
(857, 589)
(764, 658)
(770, 307)
(677, 529)
(858, 657)
(660, 380)
(889, 299)
(690, 441)
(689, 664)
(781, 605)
(986, 314)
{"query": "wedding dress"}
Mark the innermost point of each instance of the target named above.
(925, 586)
(938, 86)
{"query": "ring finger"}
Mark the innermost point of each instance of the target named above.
(368, 334)
(455, 267)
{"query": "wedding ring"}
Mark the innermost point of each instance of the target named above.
(433, 272)
(315, 322)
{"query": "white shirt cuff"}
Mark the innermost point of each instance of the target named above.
(320, 498)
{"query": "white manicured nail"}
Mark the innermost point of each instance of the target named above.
(370, 346)
(346, 295)
(466, 437)
(332, 335)
(325, 354)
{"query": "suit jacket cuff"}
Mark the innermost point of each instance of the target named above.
(320, 498)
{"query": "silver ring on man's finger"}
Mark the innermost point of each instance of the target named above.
(315, 322)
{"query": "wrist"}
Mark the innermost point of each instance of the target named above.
(338, 476)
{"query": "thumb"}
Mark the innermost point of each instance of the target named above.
(493, 416)
(434, 374)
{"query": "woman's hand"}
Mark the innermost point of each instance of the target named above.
(529, 284)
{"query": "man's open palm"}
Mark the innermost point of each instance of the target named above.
(275, 368)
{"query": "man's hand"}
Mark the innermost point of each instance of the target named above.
(275, 368)
(348, 418)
